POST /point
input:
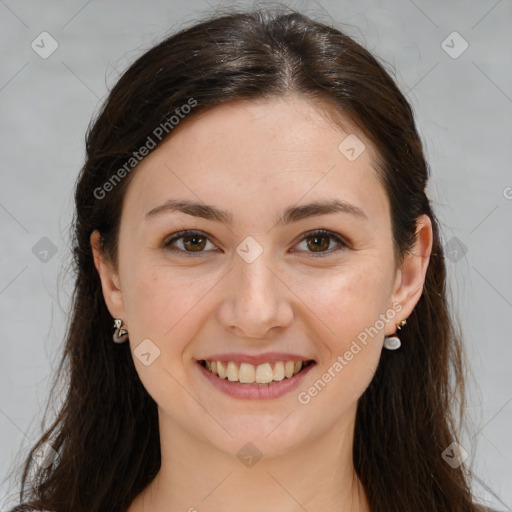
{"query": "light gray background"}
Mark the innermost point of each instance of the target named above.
(463, 109)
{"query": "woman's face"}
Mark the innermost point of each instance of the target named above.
(253, 283)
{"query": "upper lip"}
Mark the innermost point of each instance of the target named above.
(268, 357)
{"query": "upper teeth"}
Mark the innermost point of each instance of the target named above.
(248, 373)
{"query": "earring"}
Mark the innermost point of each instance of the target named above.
(393, 342)
(120, 334)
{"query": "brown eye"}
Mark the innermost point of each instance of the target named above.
(319, 243)
(194, 243)
(189, 242)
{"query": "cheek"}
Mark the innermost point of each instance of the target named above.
(161, 302)
(163, 306)
(349, 300)
(350, 304)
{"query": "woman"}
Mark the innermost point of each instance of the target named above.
(260, 316)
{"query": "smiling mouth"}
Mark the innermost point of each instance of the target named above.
(262, 374)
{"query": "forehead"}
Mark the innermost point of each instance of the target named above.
(260, 153)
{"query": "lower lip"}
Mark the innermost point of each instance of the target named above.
(256, 391)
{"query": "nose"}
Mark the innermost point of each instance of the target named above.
(257, 300)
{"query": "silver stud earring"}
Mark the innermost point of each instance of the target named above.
(120, 334)
(393, 342)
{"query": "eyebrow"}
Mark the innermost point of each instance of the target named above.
(290, 215)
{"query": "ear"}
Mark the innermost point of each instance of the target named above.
(109, 278)
(410, 277)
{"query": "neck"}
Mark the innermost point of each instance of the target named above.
(197, 476)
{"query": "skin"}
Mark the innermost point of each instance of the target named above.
(255, 160)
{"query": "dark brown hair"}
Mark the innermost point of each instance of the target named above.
(106, 432)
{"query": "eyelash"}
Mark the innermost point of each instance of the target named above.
(312, 234)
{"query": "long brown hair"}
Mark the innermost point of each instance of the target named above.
(106, 432)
